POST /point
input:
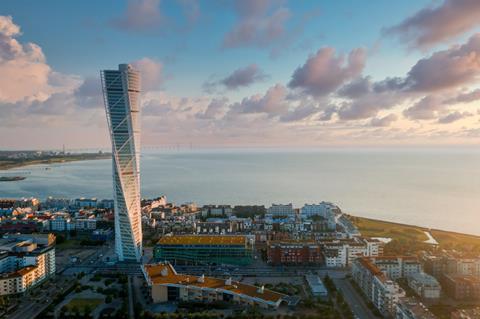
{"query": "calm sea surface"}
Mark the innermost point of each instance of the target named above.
(432, 188)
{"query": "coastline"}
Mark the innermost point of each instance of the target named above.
(407, 233)
(7, 165)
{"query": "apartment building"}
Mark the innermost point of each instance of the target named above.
(424, 285)
(383, 292)
(25, 260)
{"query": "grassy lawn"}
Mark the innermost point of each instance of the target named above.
(376, 228)
(81, 303)
(451, 240)
(408, 238)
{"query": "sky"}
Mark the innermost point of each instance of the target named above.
(264, 73)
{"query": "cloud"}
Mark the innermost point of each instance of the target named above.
(151, 71)
(25, 73)
(260, 24)
(243, 77)
(147, 17)
(299, 113)
(324, 72)
(273, 102)
(369, 105)
(328, 113)
(447, 69)
(89, 93)
(215, 109)
(356, 88)
(435, 24)
(140, 16)
(453, 117)
(465, 97)
(383, 121)
(428, 108)
(7, 27)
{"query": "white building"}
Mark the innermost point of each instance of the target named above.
(324, 210)
(86, 224)
(424, 285)
(397, 267)
(374, 246)
(61, 222)
(121, 91)
(85, 202)
(383, 292)
(280, 210)
(25, 260)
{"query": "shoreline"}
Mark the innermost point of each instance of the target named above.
(423, 228)
(5, 165)
(414, 235)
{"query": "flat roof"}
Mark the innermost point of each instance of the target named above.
(202, 240)
(316, 285)
(17, 273)
(164, 274)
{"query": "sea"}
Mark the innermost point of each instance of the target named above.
(436, 188)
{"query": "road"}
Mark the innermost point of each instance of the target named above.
(30, 307)
(353, 299)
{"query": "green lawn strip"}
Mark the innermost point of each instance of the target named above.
(377, 228)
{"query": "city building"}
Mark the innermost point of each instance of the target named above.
(462, 287)
(409, 308)
(280, 210)
(316, 286)
(216, 211)
(25, 261)
(205, 249)
(324, 210)
(85, 224)
(121, 91)
(396, 267)
(424, 285)
(85, 203)
(166, 285)
(294, 253)
(383, 292)
(437, 266)
(374, 247)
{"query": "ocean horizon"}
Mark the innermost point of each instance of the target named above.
(436, 188)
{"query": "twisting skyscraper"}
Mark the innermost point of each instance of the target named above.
(121, 90)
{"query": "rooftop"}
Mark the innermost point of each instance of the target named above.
(415, 308)
(202, 240)
(18, 273)
(164, 274)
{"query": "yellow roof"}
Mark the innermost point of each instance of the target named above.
(170, 276)
(202, 240)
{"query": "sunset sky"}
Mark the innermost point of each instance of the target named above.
(244, 73)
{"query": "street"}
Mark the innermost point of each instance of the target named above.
(353, 299)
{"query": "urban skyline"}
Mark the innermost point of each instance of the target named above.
(267, 159)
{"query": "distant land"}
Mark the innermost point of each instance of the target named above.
(13, 159)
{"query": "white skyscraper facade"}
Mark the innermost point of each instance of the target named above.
(121, 92)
